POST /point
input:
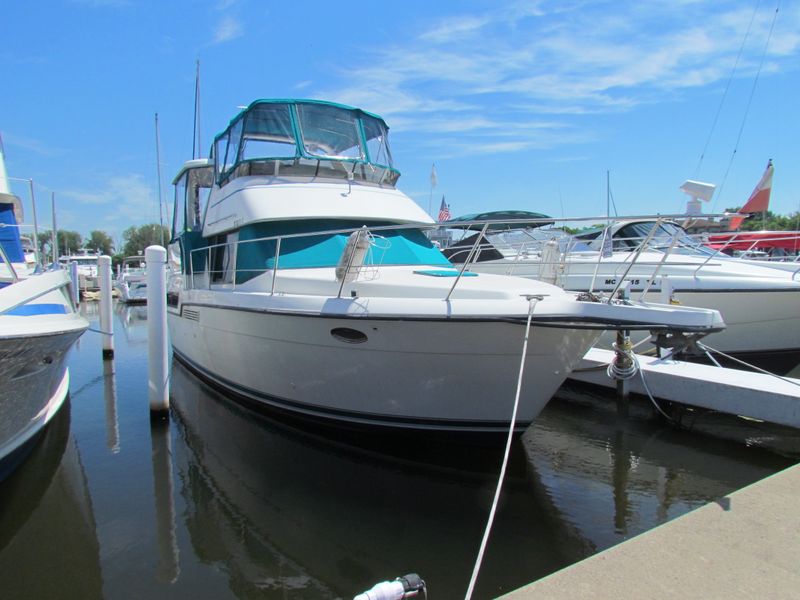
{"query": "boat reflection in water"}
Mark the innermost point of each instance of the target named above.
(285, 511)
(279, 509)
(48, 535)
(613, 478)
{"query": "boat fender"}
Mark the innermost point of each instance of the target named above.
(353, 255)
(407, 586)
(551, 261)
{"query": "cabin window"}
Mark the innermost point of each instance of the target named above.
(377, 142)
(232, 153)
(329, 131)
(220, 146)
(268, 133)
(179, 210)
(223, 258)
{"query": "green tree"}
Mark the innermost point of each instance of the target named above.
(69, 242)
(46, 245)
(101, 242)
(136, 239)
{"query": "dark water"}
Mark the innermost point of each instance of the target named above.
(223, 503)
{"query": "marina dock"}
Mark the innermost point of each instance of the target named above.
(744, 545)
(732, 391)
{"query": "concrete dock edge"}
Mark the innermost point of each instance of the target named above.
(744, 545)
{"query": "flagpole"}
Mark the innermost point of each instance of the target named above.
(433, 185)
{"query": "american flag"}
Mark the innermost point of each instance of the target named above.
(444, 211)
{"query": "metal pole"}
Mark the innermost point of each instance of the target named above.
(106, 323)
(55, 228)
(158, 171)
(35, 226)
(76, 282)
(158, 350)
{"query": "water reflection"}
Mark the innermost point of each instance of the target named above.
(168, 565)
(133, 321)
(613, 479)
(48, 538)
(281, 510)
(110, 396)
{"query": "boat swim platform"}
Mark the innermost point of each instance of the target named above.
(744, 545)
(733, 391)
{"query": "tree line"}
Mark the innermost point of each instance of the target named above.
(134, 241)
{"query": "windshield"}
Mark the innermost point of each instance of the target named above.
(630, 236)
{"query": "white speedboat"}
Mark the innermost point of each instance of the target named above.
(88, 270)
(657, 261)
(307, 285)
(131, 280)
(38, 325)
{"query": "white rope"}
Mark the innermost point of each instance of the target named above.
(531, 305)
(741, 362)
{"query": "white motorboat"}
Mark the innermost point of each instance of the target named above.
(88, 270)
(305, 284)
(131, 280)
(38, 325)
(657, 261)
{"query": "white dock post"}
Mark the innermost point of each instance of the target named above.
(76, 282)
(666, 290)
(106, 322)
(158, 352)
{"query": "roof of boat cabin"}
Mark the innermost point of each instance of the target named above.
(538, 219)
(302, 101)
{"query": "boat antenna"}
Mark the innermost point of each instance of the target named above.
(747, 108)
(725, 93)
(196, 144)
(158, 174)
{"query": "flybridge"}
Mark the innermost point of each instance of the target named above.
(305, 138)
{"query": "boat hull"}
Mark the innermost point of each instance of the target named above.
(398, 373)
(763, 326)
(34, 382)
(762, 315)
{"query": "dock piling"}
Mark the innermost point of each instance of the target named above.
(76, 282)
(106, 322)
(158, 351)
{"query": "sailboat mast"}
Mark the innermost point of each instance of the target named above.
(158, 174)
(55, 228)
(196, 143)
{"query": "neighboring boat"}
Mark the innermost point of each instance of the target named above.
(131, 280)
(38, 325)
(777, 249)
(307, 286)
(760, 305)
(88, 270)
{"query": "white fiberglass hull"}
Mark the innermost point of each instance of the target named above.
(455, 375)
(759, 322)
(761, 307)
(38, 326)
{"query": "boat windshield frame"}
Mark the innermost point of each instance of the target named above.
(305, 138)
(661, 240)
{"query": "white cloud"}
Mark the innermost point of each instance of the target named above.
(569, 58)
(228, 29)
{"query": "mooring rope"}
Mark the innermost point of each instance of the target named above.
(746, 364)
(532, 301)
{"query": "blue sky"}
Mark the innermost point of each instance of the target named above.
(523, 105)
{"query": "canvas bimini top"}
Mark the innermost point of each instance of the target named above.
(305, 138)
